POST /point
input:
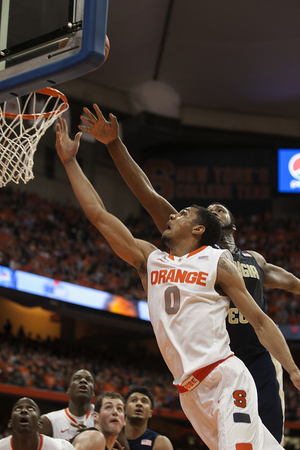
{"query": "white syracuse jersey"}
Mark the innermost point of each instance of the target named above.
(61, 422)
(46, 443)
(186, 312)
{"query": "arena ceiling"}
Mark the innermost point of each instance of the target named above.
(234, 56)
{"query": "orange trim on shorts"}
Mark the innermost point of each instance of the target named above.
(243, 446)
(200, 374)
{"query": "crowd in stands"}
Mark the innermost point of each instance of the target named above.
(54, 240)
(58, 241)
(49, 365)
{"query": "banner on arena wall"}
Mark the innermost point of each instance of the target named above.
(242, 179)
(72, 293)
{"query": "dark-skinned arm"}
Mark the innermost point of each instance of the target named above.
(134, 251)
(107, 132)
(231, 282)
(276, 277)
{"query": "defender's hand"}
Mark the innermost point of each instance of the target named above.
(99, 127)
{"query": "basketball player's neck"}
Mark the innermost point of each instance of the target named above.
(79, 409)
(135, 428)
(227, 240)
(25, 441)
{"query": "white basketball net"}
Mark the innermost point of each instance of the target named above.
(21, 132)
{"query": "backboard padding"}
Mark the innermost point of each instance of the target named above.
(25, 68)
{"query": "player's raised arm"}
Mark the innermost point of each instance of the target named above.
(107, 132)
(276, 277)
(231, 282)
(132, 250)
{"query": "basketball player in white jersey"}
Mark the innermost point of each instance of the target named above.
(256, 271)
(25, 426)
(66, 422)
(188, 295)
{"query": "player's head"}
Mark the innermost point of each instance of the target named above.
(81, 386)
(194, 221)
(109, 395)
(110, 413)
(224, 214)
(25, 417)
(213, 232)
(139, 403)
(135, 389)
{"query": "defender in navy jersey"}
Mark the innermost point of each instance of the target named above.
(265, 370)
(244, 341)
(139, 403)
(145, 442)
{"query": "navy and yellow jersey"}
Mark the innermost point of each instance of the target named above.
(246, 346)
(144, 442)
(243, 339)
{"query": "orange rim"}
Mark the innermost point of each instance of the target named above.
(51, 92)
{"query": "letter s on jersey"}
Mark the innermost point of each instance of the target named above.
(240, 398)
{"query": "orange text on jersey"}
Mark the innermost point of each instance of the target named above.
(178, 276)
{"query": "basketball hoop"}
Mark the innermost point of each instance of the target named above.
(21, 131)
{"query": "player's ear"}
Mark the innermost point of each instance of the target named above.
(198, 229)
(96, 415)
(233, 227)
(9, 425)
(40, 424)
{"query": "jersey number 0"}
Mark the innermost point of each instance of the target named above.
(172, 300)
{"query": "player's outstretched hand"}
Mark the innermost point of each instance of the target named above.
(66, 147)
(104, 131)
(295, 378)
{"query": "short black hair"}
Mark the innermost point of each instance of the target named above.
(229, 212)
(107, 394)
(141, 390)
(213, 230)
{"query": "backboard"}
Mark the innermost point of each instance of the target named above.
(47, 42)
